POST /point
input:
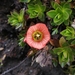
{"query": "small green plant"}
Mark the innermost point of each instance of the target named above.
(20, 42)
(16, 19)
(63, 50)
(71, 70)
(65, 55)
(36, 10)
(69, 33)
(55, 31)
(21, 38)
(61, 13)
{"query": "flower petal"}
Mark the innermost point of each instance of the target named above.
(38, 45)
(31, 29)
(45, 40)
(42, 28)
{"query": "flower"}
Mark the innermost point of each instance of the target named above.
(37, 36)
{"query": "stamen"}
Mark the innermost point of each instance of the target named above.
(37, 36)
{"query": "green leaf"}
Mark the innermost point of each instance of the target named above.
(58, 50)
(65, 54)
(65, 44)
(69, 0)
(38, 2)
(58, 19)
(14, 22)
(66, 5)
(73, 42)
(33, 14)
(66, 8)
(30, 6)
(25, 1)
(21, 38)
(55, 31)
(55, 5)
(52, 13)
(62, 40)
(36, 10)
(55, 63)
(69, 11)
(14, 14)
(59, 10)
(69, 33)
(16, 19)
(65, 15)
(42, 17)
(32, 11)
(43, 8)
(70, 55)
(66, 22)
(61, 13)
(63, 64)
(20, 42)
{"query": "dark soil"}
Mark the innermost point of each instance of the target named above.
(15, 61)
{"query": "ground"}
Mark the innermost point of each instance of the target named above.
(14, 58)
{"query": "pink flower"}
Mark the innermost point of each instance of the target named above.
(37, 36)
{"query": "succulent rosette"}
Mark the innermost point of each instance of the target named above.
(37, 36)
